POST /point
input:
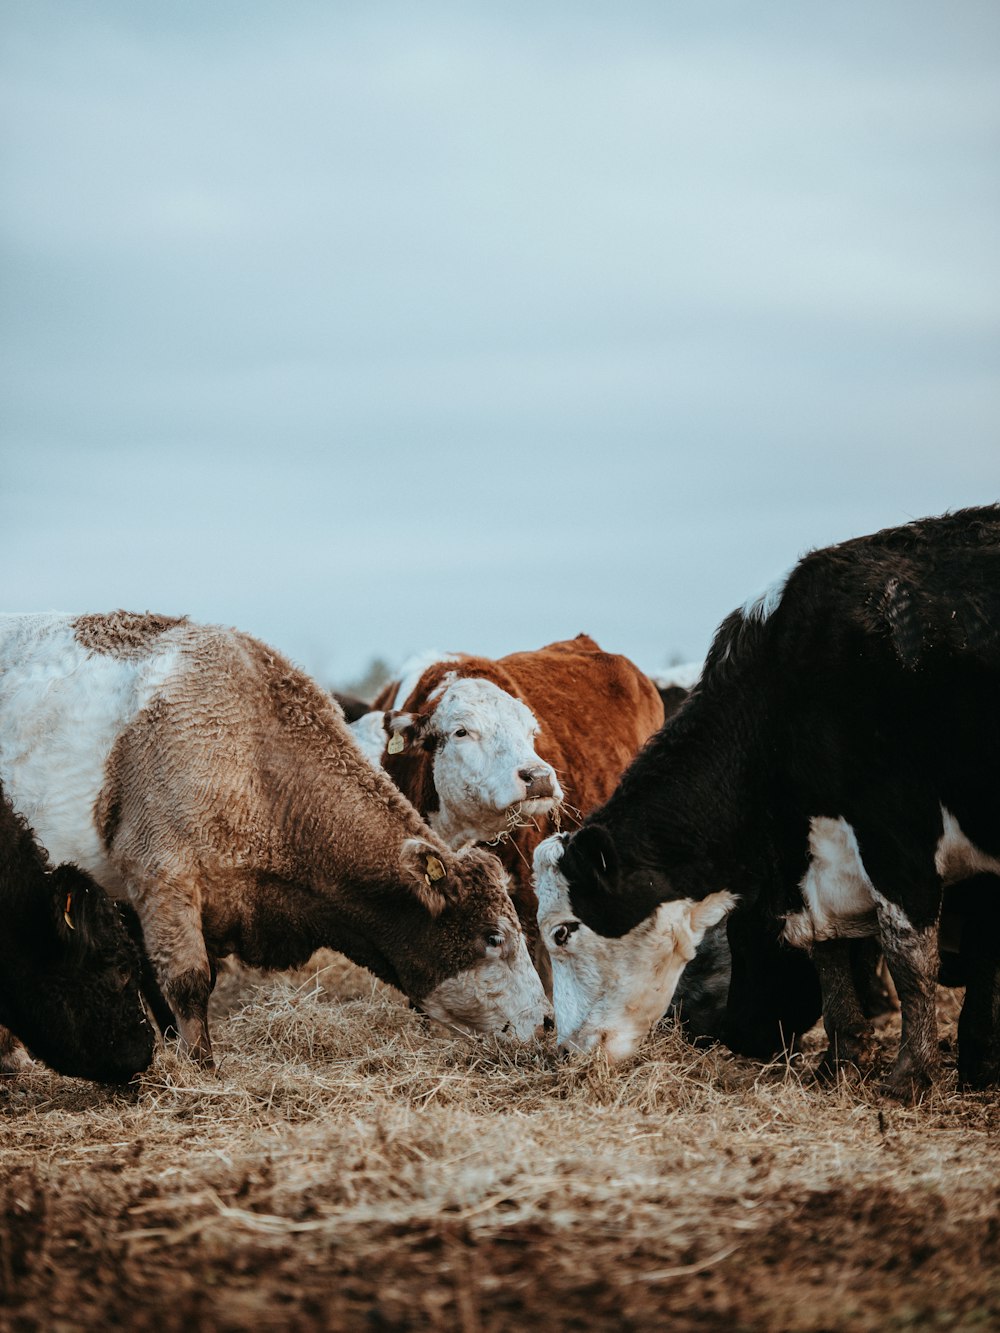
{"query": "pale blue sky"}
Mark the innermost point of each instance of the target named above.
(373, 327)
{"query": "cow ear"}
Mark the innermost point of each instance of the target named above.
(592, 850)
(71, 906)
(406, 731)
(709, 912)
(427, 870)
(591, 869)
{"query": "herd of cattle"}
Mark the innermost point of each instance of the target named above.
(550, 833)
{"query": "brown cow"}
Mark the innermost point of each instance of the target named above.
(513, 748)
(193, 770)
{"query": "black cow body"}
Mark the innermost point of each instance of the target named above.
(841, 753)
(69, 972)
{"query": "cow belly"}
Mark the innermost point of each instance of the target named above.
(836, 891)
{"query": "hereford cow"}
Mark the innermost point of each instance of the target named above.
(195, 771)
(507, 748)
(838, 761)
(69, 974)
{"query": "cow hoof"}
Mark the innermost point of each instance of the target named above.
(907, 1085)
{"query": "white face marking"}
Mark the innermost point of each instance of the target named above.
(610, 992)
(369, 736)
(765, 604)
(502, 993)
(956, 857)
(838, 895)
(61, 710)
(487, 740)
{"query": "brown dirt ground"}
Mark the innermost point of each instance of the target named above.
(347, 1167)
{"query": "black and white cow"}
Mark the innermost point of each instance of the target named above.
(837, 763)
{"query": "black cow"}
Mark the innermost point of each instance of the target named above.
(838, 761)
(69, 972)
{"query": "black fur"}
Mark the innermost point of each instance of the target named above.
(70, 992)
(868, 693)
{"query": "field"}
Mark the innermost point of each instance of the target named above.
(348, 1167)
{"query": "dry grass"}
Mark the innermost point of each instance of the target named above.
(347, 1167)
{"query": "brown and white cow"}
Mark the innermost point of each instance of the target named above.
(196, 772)
(515, 747)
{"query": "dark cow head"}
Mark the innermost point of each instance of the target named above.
(606, 991)
(71, 993)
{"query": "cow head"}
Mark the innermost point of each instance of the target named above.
(486, 770)
(469, 967)
(76, 1002)
(611, 991)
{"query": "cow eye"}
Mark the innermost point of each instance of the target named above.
(563, 931)
(494, 940)
(461, 731)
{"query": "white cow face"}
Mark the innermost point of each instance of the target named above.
(486, 770)
(610, 992)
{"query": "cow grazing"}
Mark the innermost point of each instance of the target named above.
(69, 973)
(838, 762)
(507, 748)
(196, 772)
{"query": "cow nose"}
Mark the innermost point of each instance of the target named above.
(537, 780)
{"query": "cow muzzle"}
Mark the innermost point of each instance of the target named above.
(539, 783)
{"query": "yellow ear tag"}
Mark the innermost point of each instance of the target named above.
(69, 904)
(435, 870)
(395, 744)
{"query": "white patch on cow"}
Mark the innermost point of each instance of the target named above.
(53, 776)
(411, 671)
(956, 857)
(766, 603)
(686, 675)
(501, 993)
(836, 890)
(369, 736)
(610, 992)
(486, 740)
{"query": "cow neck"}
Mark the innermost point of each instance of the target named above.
(696, 788)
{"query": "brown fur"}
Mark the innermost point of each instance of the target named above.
(242, 819)
(123, 633)
(595, 711)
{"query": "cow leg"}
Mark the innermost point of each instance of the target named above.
(170, 914)
(912, 955)
(850, 1038)
(979, 956)
(870, 977)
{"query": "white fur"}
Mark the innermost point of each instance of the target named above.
(956, 857)
(476, 775)
(411, 671)
(837, 893)
(767, 602)
(610, 992)
(369, 735)
(52, 757)
(501, 993)
(839, 898)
